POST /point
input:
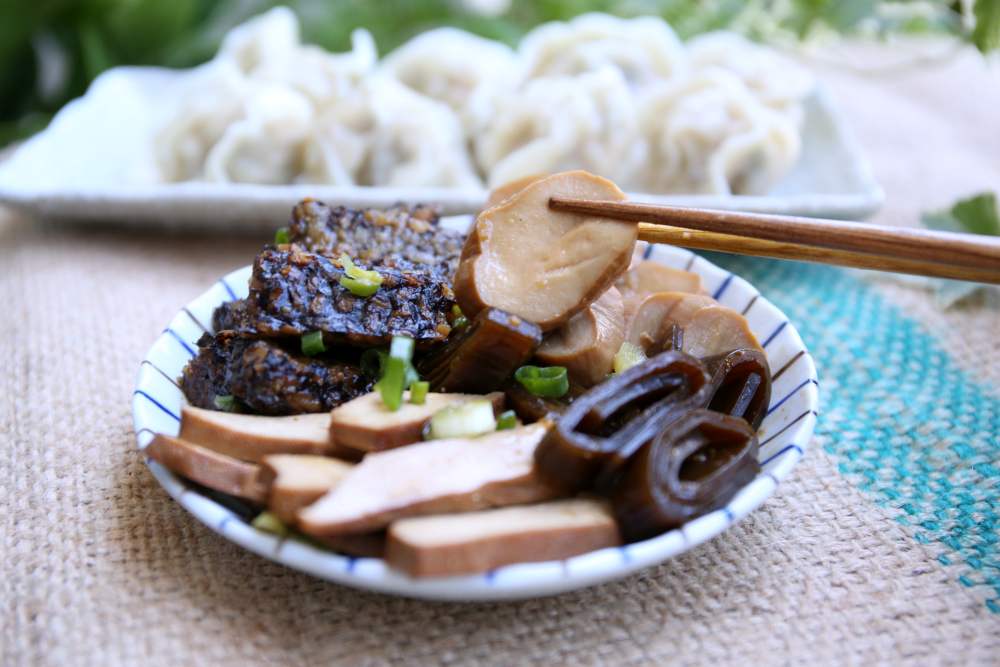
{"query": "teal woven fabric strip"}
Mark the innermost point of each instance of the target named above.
(901, 419)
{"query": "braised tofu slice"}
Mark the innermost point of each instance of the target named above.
(453, 544)
(452, 475)
(297, 480)
(252, 437)
(209, 468)
(365, 424)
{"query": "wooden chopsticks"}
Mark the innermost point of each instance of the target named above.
(859, 245)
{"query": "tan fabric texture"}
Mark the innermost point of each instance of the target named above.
(101, 567)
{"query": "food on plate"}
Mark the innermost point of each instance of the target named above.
(542, 265)
(297, 480)
(624, 98)
(452, 544)
(535, 418)
(644, 279)
(741, 384)
(604, 426)
(253, 437)
(454, 475)
(480, 355)
(367, 425)
(235, 371)
(693, 467)
(373, 236)
(294, 292)
(210, 468)
(586, 345)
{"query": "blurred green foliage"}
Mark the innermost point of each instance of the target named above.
(50, 50)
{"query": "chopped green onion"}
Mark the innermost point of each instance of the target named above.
(628, 355)
(225, 403)
(312, 343)
(282, 236)
(507, 420)
(544, 381)
(456, 310)
(462, 420)
(459, 322)
(358, 281)
(418, 392)
(398, 372)
(270, 524)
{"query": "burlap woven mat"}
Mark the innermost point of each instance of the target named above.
(880, 548)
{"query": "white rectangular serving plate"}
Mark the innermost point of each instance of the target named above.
(95, 163)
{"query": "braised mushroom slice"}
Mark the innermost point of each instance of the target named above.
(645, 278)
(651, 328)
(502, 193)
(542, 265)
(586, 345)
(717, 330)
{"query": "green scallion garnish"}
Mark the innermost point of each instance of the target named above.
(312, 343)
(461, 420)
(459, 322)
(507, 420)
(225, 403)
(358, 281)
(544, 381)
(418, 392)
(269, 523)
(282, 236)
(398, 373)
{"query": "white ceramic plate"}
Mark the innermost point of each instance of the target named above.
(784, 436)
(95, 162)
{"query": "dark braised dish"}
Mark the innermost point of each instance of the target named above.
(582, 401)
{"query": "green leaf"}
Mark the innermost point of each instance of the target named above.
(986, 34)
(975, 215)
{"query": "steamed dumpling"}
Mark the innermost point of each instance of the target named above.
(417, 141)
(774, 80)
(264, 145)
(269, 48)
(456, 68)
(562, 123)
(643, 49)
(709, 133)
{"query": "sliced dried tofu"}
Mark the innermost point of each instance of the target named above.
(587, 343)
(365, 424)
(208, 468)
(453, 475)
(297, 480)
(252, 437)
(453, 544)
(542, 265)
